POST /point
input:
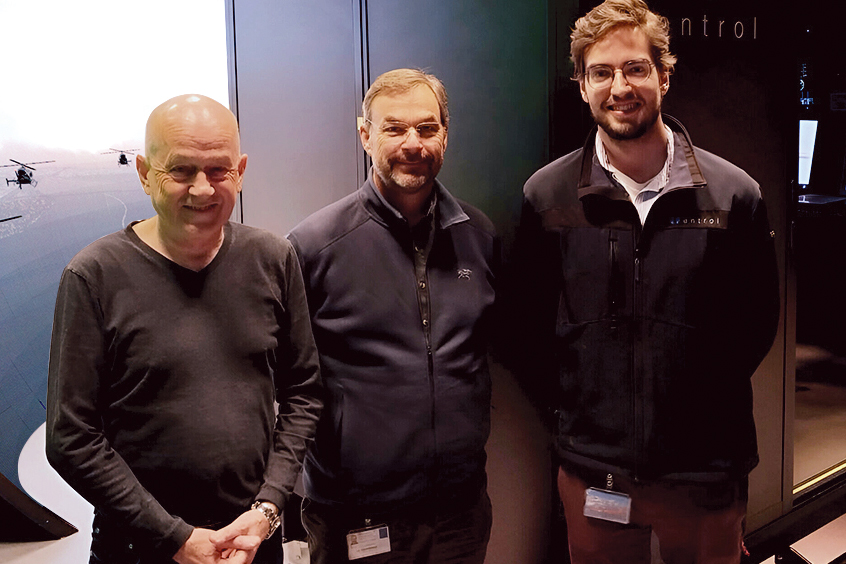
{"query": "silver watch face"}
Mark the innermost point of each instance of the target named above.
(270, 513)
(269, 509)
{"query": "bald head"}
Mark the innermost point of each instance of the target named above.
(185, 111)
(193, 171)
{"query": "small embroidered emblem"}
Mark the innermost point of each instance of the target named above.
(464, 273)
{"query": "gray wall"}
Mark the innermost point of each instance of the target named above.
(295, 65)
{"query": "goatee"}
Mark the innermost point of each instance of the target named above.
(625, 131)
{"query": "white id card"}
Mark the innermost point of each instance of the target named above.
(607, 505)
(367, 542)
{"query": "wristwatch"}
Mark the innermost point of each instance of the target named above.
(271, 513)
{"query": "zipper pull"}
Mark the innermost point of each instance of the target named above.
(615, 281)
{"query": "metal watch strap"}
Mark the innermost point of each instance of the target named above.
(270, 513)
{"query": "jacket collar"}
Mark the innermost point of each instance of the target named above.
(685, 171)
(447, 214)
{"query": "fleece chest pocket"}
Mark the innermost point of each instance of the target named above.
(596, 265)
(686, 268)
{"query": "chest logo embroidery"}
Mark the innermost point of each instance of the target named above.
(715, 218)
(464, 273)
(695, 221)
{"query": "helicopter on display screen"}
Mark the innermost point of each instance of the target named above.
(122, 158)
(24, 174)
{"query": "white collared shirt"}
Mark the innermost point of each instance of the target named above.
(642, 194)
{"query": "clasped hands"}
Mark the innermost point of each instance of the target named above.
(235, 543)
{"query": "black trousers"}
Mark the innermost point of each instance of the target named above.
(424, 533)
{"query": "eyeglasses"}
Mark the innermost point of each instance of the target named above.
(635, 72)
(400, 130)
(186, 173)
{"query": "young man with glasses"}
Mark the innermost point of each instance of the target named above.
(400, 281)
(650, 296)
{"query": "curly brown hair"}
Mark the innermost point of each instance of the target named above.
(612, 14)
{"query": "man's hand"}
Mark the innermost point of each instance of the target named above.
(243, 536)
(198, 549)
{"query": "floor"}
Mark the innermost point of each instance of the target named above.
(823, 546)
(42, 483)
(820, 421)
(819, 439)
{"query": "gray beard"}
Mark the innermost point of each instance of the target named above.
(408, 182)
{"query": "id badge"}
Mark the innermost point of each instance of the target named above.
(368, 541)
(607, 505)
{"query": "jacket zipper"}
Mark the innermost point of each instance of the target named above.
(431, 368)
(425, 307)
(637, 352)
(615, 293)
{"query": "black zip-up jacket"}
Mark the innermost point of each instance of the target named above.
(403, 358)
(651, 332)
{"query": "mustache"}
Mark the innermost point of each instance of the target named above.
(413, 160)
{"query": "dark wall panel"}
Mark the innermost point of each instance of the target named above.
(492, 57)
(735, 90)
